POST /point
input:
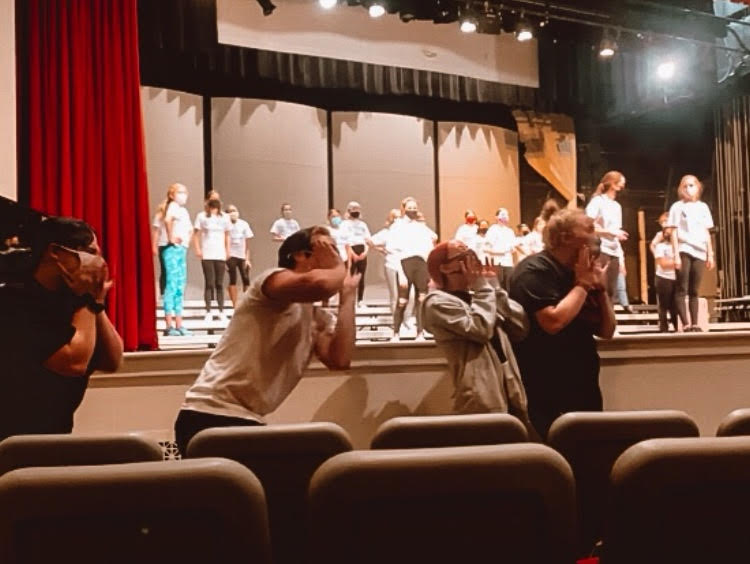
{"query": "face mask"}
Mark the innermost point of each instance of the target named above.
(692, 191)
(181, 198)
(413, 214)
(354, 214)
(336, 221)
(471, 220)
(482, 231)
(503, 218)
(287, 214)
(234, 216)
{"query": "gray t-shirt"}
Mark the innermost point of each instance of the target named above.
(261, 356)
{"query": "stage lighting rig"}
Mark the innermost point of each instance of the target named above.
(607, 46)
(524, 29)
(468, 19)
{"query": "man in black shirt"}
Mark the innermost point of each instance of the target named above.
(54, 332)
(562, 291)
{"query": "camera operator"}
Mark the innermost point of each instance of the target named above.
(55, 331)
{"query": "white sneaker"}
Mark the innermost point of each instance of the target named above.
(223, 318)
(420, 338)
(395, 339)
(208, 318)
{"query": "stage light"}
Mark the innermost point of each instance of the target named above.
(665, 70)
(468, 24)
(376, 10)
(607, 48)
(327, 4)
(524, 30)
(268, 7)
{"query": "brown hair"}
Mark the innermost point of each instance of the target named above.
(608, 180)
(438, 256)
(559, 225)
(682, 191)
(550, 206)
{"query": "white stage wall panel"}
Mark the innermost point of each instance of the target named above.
(173, 133)
(478, 170)
(301, 26)
(378, 159)
(266, 153)
(8, 179)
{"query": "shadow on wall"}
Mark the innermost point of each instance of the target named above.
(351, 120)
(347, 406)
(185, 102)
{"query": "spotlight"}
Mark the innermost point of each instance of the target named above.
(665, 70)
(327, 4)
(469, 25)
(376, 10)
(607, 48)
(524, 30)
(268, 7)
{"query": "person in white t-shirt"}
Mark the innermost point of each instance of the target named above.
(467, 231)
(239, 252)
(212, 228)
(334, 226)
(412, 241)
(285, 225)
(273, 334)
(383, 242)
(502, 241)
(691, 241)
(356, 233)
(607, 215)
(665, 282)
(158, 244)
(179, 232)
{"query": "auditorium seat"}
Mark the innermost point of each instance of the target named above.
(284, 458)
(494, 503)
(21, 451)
(449, 430)
(735, 424)
(210, 510)
(592, 441)
(680, 500)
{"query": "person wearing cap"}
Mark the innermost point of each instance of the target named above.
(462, 314)
(272, 335)
(502, 241)
(356, 233)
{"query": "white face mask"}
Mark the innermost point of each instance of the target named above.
(234, 216)
(181, 198)
(692, 191)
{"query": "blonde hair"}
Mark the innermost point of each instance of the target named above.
(406, 201)
(561, 224)
(608, 180)
(682, 189)
(394, 214)
(171, 192)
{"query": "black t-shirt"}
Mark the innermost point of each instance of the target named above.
(564, 366)
(35, 324)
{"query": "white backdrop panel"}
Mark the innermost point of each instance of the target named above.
(478, 170)
(266, 153)
(378, 159)
(173, 131)
(7, 100)
(301, 26)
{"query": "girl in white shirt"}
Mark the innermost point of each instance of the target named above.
(502, 240)
(179, 233)
(356, 234)
(665, 280)
(467, 232)
(212, 229)
(691, 242)
(239, 252)
(607, 215)
(334, 226)
(285, 225)
(383, 242)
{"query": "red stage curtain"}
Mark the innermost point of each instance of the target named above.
(86, 152)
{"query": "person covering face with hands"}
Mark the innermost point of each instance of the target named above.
(563, 292)
(272, 335)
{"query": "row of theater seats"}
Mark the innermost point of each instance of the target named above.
(432, 489)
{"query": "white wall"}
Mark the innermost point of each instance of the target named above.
(301, 26)
(378, 159)
(173, 134)
(478, 170)
(266, 153)
(8, 178)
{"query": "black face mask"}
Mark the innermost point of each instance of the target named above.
(412, 214)
(482, 231)
(354, 214)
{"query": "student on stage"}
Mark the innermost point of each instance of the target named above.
(356, 234)
(334, 227)
(467, 231)
(273, 333)
(384, 243)
(502, 241)
(212, 242)
(665, 281)
(240, 234)
(179, 232)
(55, 331)
(158, 244)
(285, 225)
(607, 215)
(691, 241)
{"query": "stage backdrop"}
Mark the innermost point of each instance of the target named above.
(266, 153)
(173, 130)
(378, 159)
(478, 168)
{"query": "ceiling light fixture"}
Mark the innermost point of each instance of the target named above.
(327, 4)
(607, 46)
(376, 10)
(524, 30)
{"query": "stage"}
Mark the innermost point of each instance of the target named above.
(705, 374)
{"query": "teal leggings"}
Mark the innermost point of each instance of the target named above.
(176, 267)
